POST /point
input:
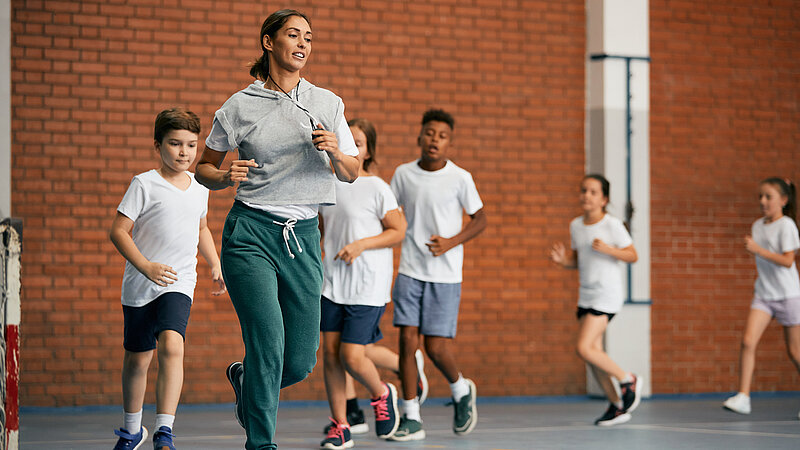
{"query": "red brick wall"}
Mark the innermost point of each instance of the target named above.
(89, 77)
(725, 115)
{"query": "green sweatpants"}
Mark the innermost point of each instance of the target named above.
(275, 287)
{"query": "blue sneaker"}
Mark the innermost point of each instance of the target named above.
(129, 441)
(162, 439)
(234, 373)
(386, 418)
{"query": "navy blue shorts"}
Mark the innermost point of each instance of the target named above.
(584, 311)
(143, 324)
(359, 324)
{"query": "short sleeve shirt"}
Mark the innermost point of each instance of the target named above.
(776, 282)
(601, 283)
(359, 210)
(434, 203)
(166, 229)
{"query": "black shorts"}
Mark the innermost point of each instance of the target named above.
(358, 324)
(143, 324)
(584, 311)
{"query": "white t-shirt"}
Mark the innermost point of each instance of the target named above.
(434, 203)
(776, 282)
(166, 229)
(600, 274)
(358, 212)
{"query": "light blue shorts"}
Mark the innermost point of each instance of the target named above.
(786, 311)
(432, 307)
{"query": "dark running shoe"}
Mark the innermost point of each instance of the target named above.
(465, 416)
(409, 430)
(162, 439)
(612, 416)
(234, 373)
(338, 437)
(631, 394)
(129, 441)
(356, 421)
(386, 418)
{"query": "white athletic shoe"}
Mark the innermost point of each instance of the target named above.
(739, 403)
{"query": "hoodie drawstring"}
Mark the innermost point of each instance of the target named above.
(288, 227)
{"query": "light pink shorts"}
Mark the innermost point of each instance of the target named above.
(786, 311)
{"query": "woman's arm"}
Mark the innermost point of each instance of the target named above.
(394, 230)
(209, 174)
(344, 166)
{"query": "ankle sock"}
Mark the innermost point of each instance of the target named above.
(164, 420)
(132, 422)
(411, 409)
(459, 388)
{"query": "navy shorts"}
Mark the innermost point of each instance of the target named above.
(584, 311)
(359, 324)
(143, 324)
(432, 307)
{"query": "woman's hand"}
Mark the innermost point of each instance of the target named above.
(238, 171)
(325, 140)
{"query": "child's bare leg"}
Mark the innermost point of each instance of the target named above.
(335, 380)
(792, 335)
(440, 351)
(409, 342)
(383, 357)
(589, 335)
(170, 372)
(349, 386)
(361, 368)
(607, 384)
(757, 322)
(134, 380)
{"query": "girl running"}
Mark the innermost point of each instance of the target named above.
(774, 241)
(599, 243)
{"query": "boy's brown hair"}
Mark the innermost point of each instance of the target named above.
(175, 119)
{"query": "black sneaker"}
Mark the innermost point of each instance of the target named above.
(386, 418)
(612, 416)
(631, 394)
(356, 420)
(338, 437)
(234, 373)
(409, 430)
(465, 416)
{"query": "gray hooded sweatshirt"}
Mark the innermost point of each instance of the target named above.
(275, 131)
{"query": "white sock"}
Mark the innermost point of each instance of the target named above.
(459, 388)
(164, 420)
(628, 378)
(411, 409)
(132, 422)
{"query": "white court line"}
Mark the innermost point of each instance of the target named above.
(713, 431)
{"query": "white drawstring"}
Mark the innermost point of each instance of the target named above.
(287, 227)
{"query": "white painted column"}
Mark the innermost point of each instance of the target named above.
(617, 63)
(5, 109)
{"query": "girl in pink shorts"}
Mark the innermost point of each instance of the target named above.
(774, 241)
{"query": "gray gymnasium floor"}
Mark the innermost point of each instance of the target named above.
(518, 424)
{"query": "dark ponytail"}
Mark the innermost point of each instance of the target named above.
(260, 67)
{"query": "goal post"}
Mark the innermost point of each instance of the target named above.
(10, 312)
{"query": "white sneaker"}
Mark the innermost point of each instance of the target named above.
(739, 403)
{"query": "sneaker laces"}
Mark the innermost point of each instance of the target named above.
(125, 434)
(288, 227)
(381, 406)
(337, 430)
